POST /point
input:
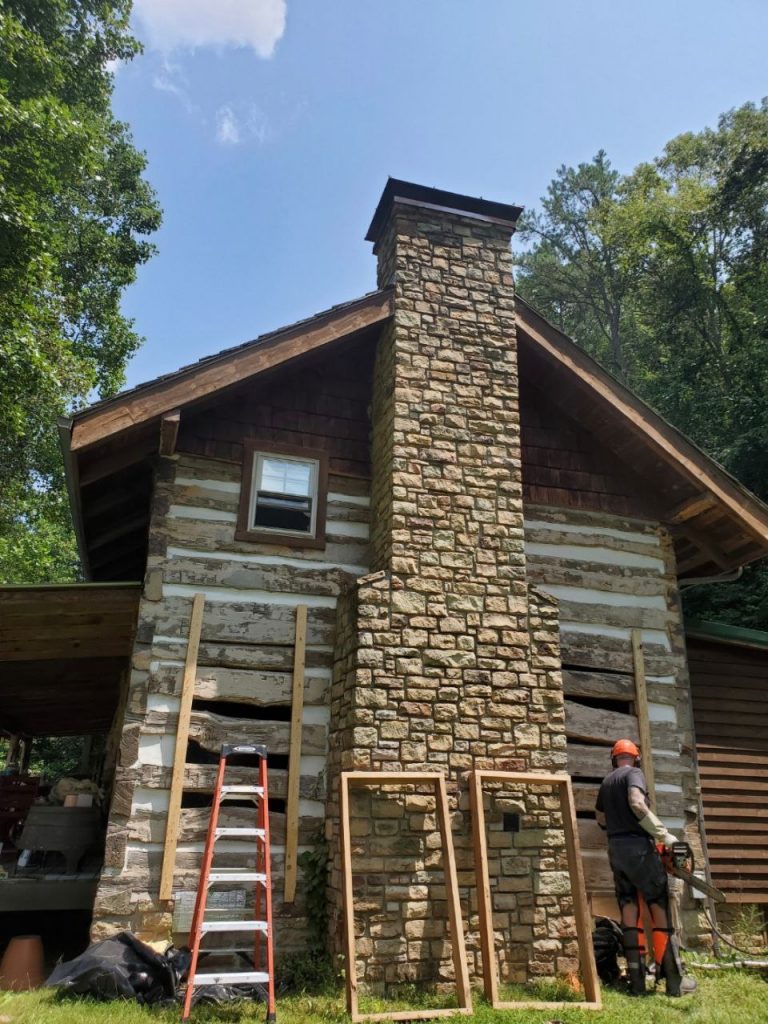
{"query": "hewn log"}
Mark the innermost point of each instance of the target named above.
(609, 685)
(286, 579)
(199, 778)
(216, 536)
(261, 689)
(597, 725)
(252, 656)
(150, 828)
(241, 622)
(595, 651)
(210, 731)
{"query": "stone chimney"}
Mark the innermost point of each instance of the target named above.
(446, 658)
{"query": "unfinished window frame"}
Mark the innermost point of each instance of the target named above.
(587, 964)
(266, 535)
(458, 947)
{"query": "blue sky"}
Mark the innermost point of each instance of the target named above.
(271, 126)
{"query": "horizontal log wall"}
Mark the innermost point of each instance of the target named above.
(612, 575)
(243, 686)
(728, 684)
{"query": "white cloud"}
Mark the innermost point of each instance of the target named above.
(227, 127)
(188, 24)
(171, 79)
(246, 124)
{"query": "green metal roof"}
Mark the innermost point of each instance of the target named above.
(726, 634)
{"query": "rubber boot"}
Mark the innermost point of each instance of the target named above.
(668, 963)
(635, 961)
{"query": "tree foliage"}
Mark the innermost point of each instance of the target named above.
(75, 211)
(662, 274)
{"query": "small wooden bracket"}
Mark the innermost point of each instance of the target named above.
(590, 979)
(464, 994)
(169, 432)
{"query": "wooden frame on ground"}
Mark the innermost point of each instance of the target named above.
(437, 779)
(583, 930)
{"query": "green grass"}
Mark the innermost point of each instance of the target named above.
(730, 997)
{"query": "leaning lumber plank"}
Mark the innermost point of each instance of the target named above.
(641, 708)
(294, 756)
(180, 755)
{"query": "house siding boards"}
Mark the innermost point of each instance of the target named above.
(611, 575)
(562, 465)
(323, 405)
(728, 683)
(245, 660)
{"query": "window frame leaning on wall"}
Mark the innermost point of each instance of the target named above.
(244, 531)
(590, 980)
(458, 946)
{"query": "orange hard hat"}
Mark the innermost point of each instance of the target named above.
(625, 748)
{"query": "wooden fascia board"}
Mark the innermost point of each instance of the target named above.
(72, 479)
(663, 438)
(120, 414)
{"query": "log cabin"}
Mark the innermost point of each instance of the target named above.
(486, 534)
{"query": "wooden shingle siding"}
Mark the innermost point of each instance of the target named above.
(322, 406)
(612, 575)
(729, 686)
(563, 466)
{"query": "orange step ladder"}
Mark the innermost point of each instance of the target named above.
(262, 965)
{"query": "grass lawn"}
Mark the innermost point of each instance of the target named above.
(730, 997)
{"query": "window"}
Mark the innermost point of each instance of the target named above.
(283, 495)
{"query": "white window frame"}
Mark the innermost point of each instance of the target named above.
(256, 470)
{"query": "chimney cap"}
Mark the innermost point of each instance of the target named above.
(438, 199)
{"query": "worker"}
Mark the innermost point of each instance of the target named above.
(623, 810)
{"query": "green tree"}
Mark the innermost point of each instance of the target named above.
(575, 271)
(682, 250)
(75, 211)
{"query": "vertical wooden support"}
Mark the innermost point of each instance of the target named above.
(180, 755)
(589, 976)
(641, 709)
(484, 905)
(294, 756)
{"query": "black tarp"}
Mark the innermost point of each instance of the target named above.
(122, 967)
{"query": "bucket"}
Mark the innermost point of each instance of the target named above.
(22, 965)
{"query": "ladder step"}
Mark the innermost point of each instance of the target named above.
(252, 790)
(231, 978)
(232, 926)
(237, 876)
(255, 833)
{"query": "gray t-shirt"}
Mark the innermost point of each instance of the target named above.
(613, 801)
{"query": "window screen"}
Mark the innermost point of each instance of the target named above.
(284, 494)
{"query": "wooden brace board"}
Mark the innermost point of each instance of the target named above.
(590, 980)
(437, 779)
(294, 756)
(180, 755)
(641, 709)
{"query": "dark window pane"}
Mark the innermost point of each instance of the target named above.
(282, 512)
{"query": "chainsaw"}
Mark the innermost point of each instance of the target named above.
(678, 861)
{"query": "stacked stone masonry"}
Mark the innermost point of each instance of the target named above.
(446, 657)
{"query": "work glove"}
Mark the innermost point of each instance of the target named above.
(669, 840)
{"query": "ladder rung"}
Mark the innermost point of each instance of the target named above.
(253, 790)
(232, 926)
(231, 978)
(256, 833)
(237, 876)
